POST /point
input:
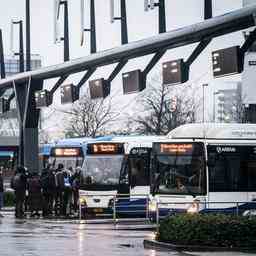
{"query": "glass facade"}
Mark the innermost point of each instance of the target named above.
(12, 64)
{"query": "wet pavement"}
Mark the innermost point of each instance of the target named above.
(38, 237)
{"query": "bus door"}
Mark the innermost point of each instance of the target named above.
(232, 174)
(139, 171)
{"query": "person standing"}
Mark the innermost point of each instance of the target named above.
(67, 192)
(1, 190)
(19, 184)
(34, 195)
(59, 189)
(76, 182)
(48, 184)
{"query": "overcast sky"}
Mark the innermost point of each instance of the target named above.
(140, 25)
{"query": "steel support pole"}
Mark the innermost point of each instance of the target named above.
(2, 64)
(204, 85)
(28, 117)
(21, 51)
(207, 9)
(93, 28)
(28, 48)
(162, 17)
(66, 32)
(20, 96)
(30, 126)
(124, 30)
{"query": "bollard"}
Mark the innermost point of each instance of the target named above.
(80, 211)
(147, 208)
(157, 217)
(114, 209)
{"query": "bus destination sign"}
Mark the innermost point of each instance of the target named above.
(105, 148)
(176, 148)
(67, 152)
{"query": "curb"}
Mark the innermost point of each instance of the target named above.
(8, 209)
(152, 244)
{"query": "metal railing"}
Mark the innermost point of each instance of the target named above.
(137, 207)
(123, 205)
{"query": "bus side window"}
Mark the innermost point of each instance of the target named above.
(124, 173)
(211, 160)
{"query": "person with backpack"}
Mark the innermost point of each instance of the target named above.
(76, 182)
(67, 192)
(19, 184)
(59, 189)
(48, 184)
(34, 195)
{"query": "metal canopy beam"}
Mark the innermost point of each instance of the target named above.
(86, 76)
(197, 51)
(58, 83)
(217, 26)
(248, 42)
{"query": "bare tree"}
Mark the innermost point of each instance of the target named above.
(165, 108)
(8, 126)
(90, 117)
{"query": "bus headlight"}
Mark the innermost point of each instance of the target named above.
(82, 201)
(194, 207)
(152, 206)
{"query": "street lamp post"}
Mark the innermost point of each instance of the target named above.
(204, 85)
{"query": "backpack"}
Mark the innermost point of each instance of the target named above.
(16, 181)
(45, 181)
(67, 182)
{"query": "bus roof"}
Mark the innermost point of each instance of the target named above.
(131, 141)
(74, 141)
(214, 131)
(128, 138)
(45, 149)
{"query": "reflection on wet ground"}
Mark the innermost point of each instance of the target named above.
(38, 237)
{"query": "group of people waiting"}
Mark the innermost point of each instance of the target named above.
(54, 191)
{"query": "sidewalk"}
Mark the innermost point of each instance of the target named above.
(8, 209)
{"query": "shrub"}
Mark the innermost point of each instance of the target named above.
(9, 198)
(209, 230)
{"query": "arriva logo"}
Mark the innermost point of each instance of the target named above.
(226, 149)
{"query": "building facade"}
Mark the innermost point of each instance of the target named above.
(229, 105)
(248, 76)
(12, 64)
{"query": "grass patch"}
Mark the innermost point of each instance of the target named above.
(9, 198)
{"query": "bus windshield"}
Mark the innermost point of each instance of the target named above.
(67, 162)
(102, 170)
(179, 168)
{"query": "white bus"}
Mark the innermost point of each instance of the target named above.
(108, 170)
(205, 168)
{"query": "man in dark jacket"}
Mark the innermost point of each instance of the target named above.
(19, 184)
(48, 184)
(59, 189)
